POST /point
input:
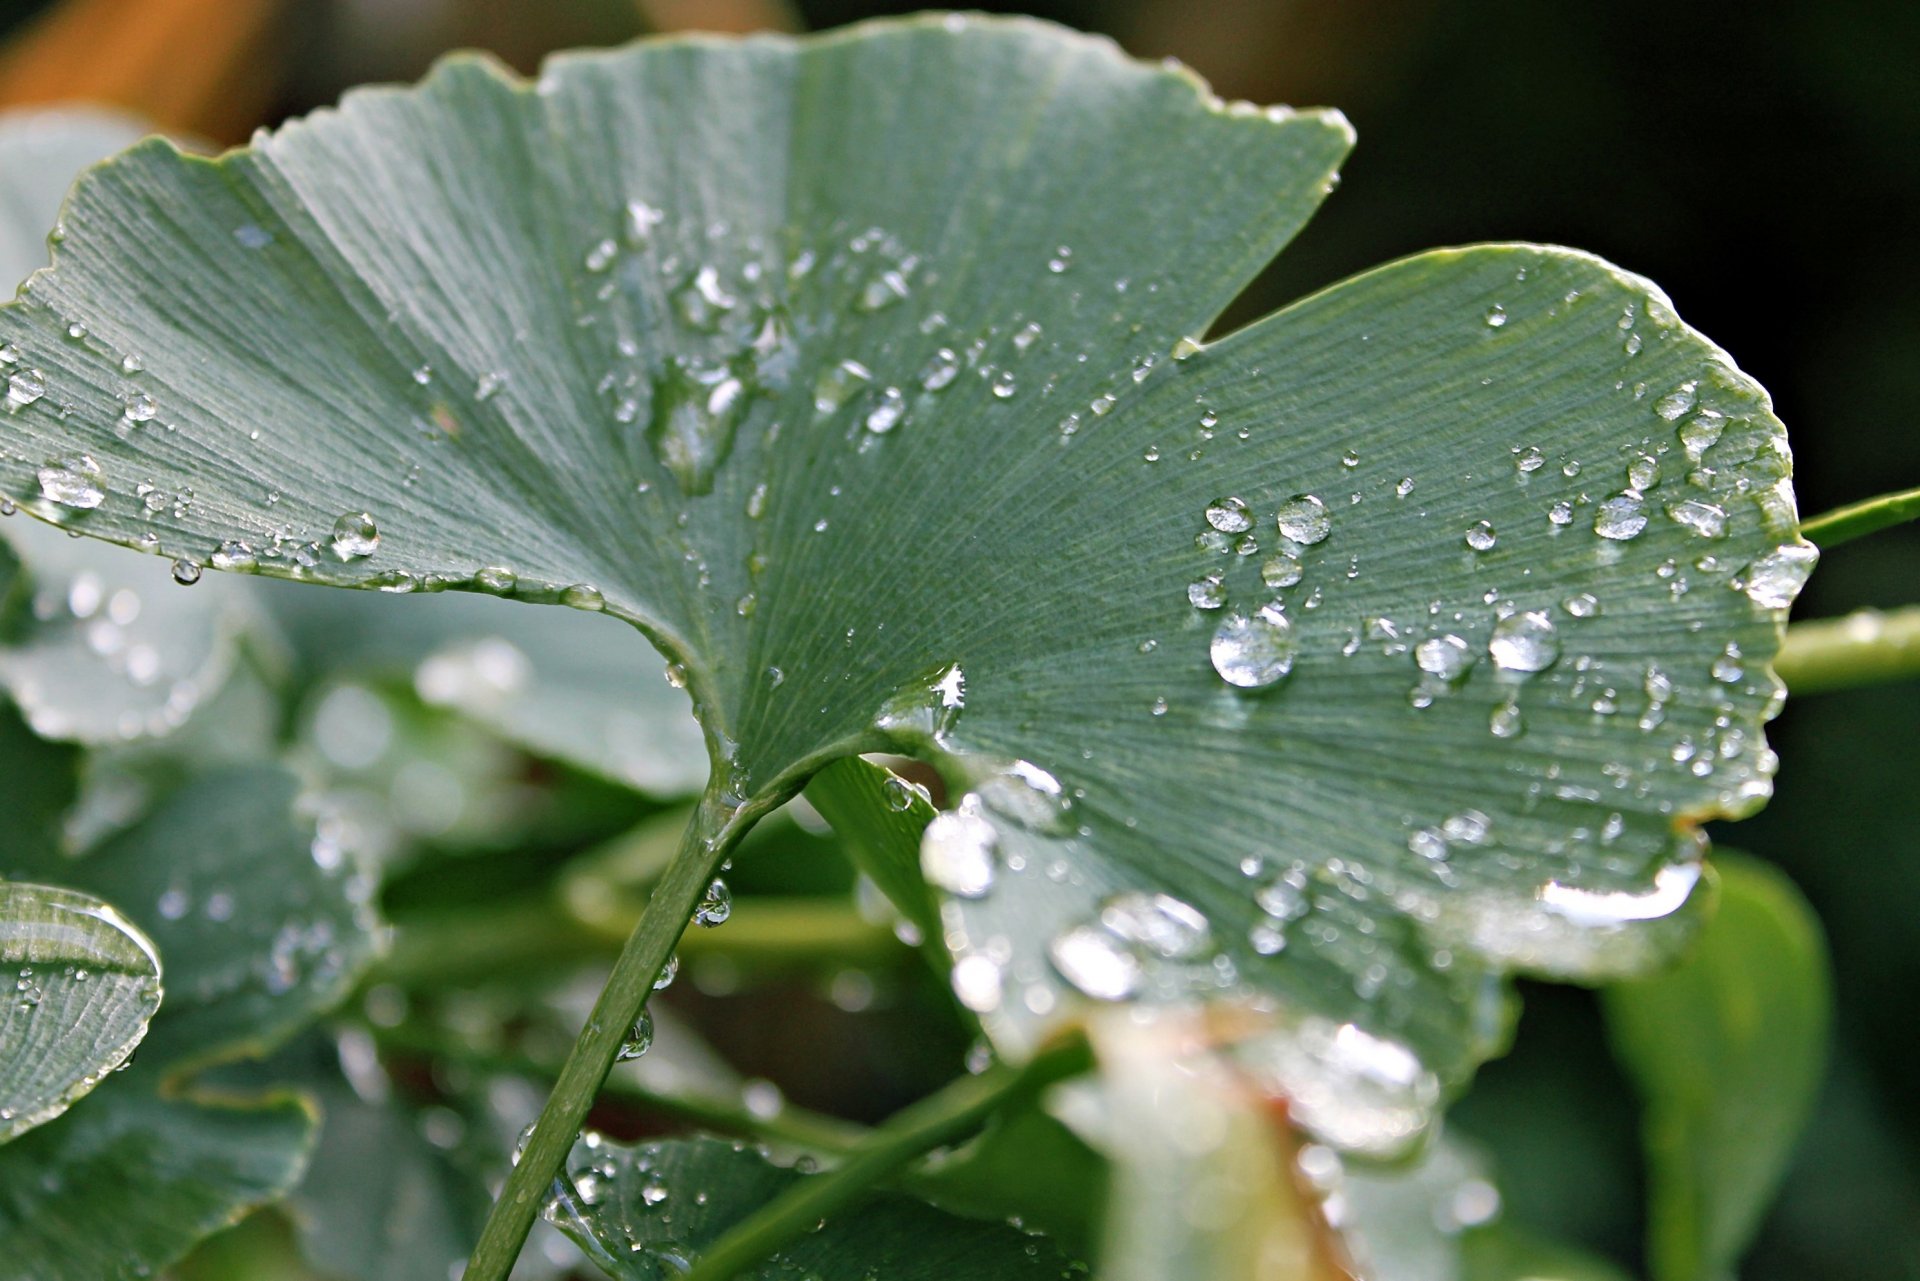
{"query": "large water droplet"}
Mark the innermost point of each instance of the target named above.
(1229, 516)
(715, 906)
(1097, 963)
(639, 1038)
(355, 536)
(696, 409)
(1256, 652)
(24, 387)
(1705, 519)
(958, 853)
(1621, 517)
(1774, 580)
(1305, 519)
(1447, 657)
(1524, 642)
(73, 482)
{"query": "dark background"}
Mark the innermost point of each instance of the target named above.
(1762, 164)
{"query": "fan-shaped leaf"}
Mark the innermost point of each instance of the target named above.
(80, 983)
(1336, 665)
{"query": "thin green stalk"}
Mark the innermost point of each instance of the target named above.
(1866, 648)
(1856, 520)
(703, 846)
(798, 1127)
(933, 1122)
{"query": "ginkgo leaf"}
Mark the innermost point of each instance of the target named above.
(80, 984)
(1332, 667)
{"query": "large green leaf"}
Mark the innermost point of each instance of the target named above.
(78, 984)
(850, 371)
(645, 1212)
(1727, 1049)
(128, 1181)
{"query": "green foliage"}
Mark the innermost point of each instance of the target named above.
(1727, 1049)
(1289, 690)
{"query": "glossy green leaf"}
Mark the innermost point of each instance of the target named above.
(127, 1182)
(261, 919)
(40, 152)
(1727, 1050)
(78, 984)
(859, 374)
(646, 1211)
(42, 780)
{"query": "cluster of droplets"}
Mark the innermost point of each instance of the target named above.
(1254, 649)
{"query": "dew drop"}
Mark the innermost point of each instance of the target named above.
(886, 415)
(1158, 922)
(1705, 519)
(1256, 652)
(1528, 460)
(1207, 592)
(73, 482)
(836, 385)
(1480, 536)
(958, 853)
(715, 906)
(1774, 580)
(1496, 316)
(639, 1038)
(1280, 570)
(1505, 720)
(355, 537)
(1448, 657)
(1305, 519)
(140, 408)
(1524, 642)
(1096, 963)
(1229, 515)
(185, 572)
(1621, 517)
(940, 371)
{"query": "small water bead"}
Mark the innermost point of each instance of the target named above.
(1207, 592)
(1447, 657)
(900, 794)
(1524, 642)
(1528, 460)
(1229, 515)
(73, 482)
(1496, 316)
(1676, 402)
(1505, 722)
(1003, 384)
(642, 218)
(1158, 922)
(886, 415)
(1097, 964)
(1304, 519)
(1643, 473)
(1061, 260)
(140, 408)
(959, 853)
(1350, 460)
(715, 906)
(1775, 580)
(940, 371)
(355, 537)
(703, 302)
(583, 596)
(837, 384)
(1582, 605)
(883, 291)
(1621, 517)
(1480, 536)
(24, 387)
(639, 1038)
(1281, 570)
(185, 572)
(601, 256)
(1701, 432)
(1256, 652)
(1703, 518)
(496, 580)
(1560, 514)
(1727, 668)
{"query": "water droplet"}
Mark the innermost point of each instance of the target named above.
(1404, 488)
(702, 302)
(1229, 515)
(1676, 402)
(24, 387)
(1496, 316)
(496, 580)
(886, 415)
(639, 1038)
(1560, 513)
(601, 256)
(1003, 384)
(716, 905)
(642, 218)
(958, 853)
(940, 371)
(1305, 519)
(1280, 570)
(140, 408)
(1621, 517)
(1529, 459)
(1701, 432)
(1447, 657)
(976, 983)
(185, 572)
(1582, 605)
(1097, 964)
(73, 482)
(1524, 642)
(1158, 922)
(668, 973)
(355, 537)
(837, 384)
(1774, 580)
(1505, 720)
(1703, 518)
(1256, 652)
(583, 596)
(1207, 592)
(900, 794)
(696, 409)
(1480, 536)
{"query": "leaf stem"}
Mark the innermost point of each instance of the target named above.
(797, 1127)
(939, 1119)
(1864, 648)
(709, 834)
(1857, 520)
